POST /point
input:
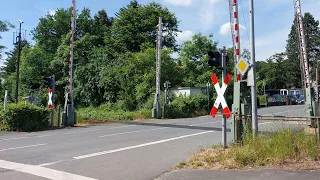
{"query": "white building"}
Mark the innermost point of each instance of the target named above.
(187, 91)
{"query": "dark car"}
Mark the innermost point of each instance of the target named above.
(300, 100)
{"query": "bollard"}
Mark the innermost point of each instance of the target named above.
(59, 117)
(318, 130)
(5, 100)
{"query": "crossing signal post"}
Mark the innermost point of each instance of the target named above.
(215, 59)
(219, 60)
(49, 83)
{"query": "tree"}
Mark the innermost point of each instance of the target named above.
(4, 26)
(312, 35)
(134, 26)
(51, 29)
(193, 56)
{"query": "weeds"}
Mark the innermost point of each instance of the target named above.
(277, 149)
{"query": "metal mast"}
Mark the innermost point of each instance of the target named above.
(157, 110)
(303, 50)
(237, 80)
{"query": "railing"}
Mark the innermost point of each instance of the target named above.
(272, 124)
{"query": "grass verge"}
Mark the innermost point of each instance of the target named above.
(99, 115)
(285, 149)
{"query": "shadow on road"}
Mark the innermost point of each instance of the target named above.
(176, 126)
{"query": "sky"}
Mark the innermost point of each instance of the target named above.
(273, 19)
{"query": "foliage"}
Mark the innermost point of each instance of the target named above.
(112, 112)
(284, 146)
(4, 26)
(312, 35)
(288, 63)
(184, 107)
(135, 25)
(114, 60)
(193, 56)
(24, 117)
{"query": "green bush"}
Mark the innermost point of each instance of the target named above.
(24, 117)
(183, 107)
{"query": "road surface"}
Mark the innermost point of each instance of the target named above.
(135, 151)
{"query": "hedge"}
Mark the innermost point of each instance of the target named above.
(24, 117)
(185, 107)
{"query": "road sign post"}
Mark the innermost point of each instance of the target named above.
(221, 100)
(224, 120)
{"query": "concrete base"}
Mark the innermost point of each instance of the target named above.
(157, 110)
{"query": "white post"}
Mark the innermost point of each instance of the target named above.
(253, 64)
(5, 100)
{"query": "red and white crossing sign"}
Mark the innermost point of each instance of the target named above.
(220, 98)
(50, 104)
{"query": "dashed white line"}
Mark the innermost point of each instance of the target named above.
(21, 147)
(204, 123)
(41, 171)
(51, 163)
(138, 146)
(82, 131)
(130, 132)
(13, 138)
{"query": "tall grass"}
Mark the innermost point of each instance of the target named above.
(276, 149)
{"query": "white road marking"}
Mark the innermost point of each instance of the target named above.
(82, 131)
(204, 123)
(51, 163)
(13, 138)
(22, 147)
(138, 146)
(108, 135)
(41, 171)
(75, 132)
(44, 135)
(130, 132)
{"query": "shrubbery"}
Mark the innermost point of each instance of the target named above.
(180, 107)
(24, 117)
(183, 107)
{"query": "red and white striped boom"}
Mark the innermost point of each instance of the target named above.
(72, 28)
(236, 34)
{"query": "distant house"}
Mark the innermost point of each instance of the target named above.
(187, 91)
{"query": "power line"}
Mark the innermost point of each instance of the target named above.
(245, 22)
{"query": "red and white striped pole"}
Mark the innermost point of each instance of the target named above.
(236, 34)
(303, 44)
(72, 28)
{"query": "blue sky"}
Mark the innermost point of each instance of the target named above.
(273, 18)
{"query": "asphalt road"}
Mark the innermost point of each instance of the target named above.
(256, 174)
(135, 151)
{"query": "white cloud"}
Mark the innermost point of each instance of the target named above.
(184, 36)
(52, 12)
(179, 2)
(225, 29)
(269, 44)
(174, 55)
(213, 1)
(209, 13)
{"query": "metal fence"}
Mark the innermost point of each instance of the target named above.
(273, 124)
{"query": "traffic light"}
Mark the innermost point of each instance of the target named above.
(49, 82)
(215, 59)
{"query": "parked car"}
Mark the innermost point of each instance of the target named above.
(300, 99)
